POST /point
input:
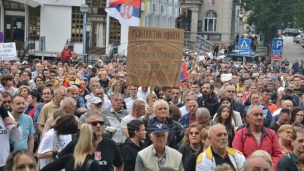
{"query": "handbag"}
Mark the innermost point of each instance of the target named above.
(88, 165)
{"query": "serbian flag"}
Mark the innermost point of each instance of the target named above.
(212, 2)
(126, 11)
(184, 74)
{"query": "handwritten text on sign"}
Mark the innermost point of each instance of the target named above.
(8, 52)
(154, 56)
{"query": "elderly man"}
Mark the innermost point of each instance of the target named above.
(189, 118)
(290, 161)
(115, 114)
(287, 104)
(218, 153)
(255, 99)
(73, 91)
(98, 92)
(203, 117)
(188, 97)
(161, 110)
(255, 136)
(257, 164)
(51, 107)
(158, 155)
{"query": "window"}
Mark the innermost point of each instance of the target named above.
(77, 18)
(114, 31)
(210, 21)
(34, 23)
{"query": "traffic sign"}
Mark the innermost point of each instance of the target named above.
(245, 53)
(244, 44)
(277, 49)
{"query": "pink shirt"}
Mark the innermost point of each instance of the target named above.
(192, 120)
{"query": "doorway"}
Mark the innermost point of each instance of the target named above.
(14, 29)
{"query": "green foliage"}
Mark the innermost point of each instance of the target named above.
(268, 15)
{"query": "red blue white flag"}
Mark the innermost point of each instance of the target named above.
(126, 11)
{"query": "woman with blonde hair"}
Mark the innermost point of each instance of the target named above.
(82, 158)
(284, 134)
(24, 91)
(21, 160)
(115, 87)
(265, 155)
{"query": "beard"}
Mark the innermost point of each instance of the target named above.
(206, 96)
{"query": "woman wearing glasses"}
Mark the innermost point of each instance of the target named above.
(107, 152)
(284, 134)
(297, 116)
(193, 143)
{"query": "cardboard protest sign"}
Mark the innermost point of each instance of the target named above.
(8, 51)
(154, 56)
(226, 77)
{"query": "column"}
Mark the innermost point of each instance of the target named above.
(194, 19)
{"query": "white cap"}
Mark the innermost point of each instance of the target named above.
(95, 100)
(90, 66)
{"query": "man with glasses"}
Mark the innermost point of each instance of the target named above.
(218, 152)
(237, 106)
(284, 118)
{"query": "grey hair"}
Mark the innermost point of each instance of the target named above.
(99, 87)
(191, 94)
(202, 111)
(210, 131)
(228, 86)
(115, 94)
(92, 112)
(246, 167)
(66, 102)
(59, 89)
(249, 109)
(157, 102)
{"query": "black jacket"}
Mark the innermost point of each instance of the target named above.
(186, 151)
(211, 104)
(176, 132)
(129, 152)
(237, 106)
(286, 163)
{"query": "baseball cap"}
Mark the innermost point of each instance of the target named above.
(158, 127)
(90, 66)
(24, 62)
(287, 97)
(83, 78)
(272, 78)
(95, 100)
(49, 83)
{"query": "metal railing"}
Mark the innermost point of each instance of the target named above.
(203, 44)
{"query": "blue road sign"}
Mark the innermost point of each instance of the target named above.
(277, 49)
(244, 44)
(245, 53)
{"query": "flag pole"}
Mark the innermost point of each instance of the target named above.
(142, 16)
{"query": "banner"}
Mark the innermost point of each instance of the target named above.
(154, 56)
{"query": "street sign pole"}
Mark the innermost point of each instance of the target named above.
(42, 46)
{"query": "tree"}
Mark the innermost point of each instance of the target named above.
(267, 15)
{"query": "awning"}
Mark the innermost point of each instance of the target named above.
(31, 3)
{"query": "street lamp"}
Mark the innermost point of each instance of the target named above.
(84, 8)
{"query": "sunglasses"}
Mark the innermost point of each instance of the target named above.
(95, 123)
(6, 101)
(193, 133)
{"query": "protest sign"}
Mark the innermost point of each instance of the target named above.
(154, 56)
(8, 51)
(226, 77)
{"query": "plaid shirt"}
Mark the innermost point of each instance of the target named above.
(160, 159)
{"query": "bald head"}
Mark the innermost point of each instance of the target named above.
(138, 103)
(73, 88)
(213, 128)
(256, 163)
(287, 104)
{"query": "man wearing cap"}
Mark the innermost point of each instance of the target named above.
(295, 98)
(161, 110)
(158, 155)
(218, 152)
(49, 84)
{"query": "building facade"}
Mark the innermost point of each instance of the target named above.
(214, 20)
(24, 21)
(155, 13)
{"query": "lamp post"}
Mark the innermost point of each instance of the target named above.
(84, 8)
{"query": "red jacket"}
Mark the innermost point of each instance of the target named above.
(245, 142)
(66, 54)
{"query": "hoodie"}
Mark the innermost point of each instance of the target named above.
(129, 152)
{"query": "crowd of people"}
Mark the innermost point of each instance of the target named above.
(62, 115)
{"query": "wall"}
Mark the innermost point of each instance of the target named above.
(55, 25)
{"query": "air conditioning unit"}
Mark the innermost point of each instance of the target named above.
(155, 7)
(163, 8)
(174, 10)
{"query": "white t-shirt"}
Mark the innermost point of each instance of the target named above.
(201, 58)
(125, 121)
(129, 103)
(47, 143)
(276, 112)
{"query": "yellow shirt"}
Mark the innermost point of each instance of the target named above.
(240, 89)
(46, 112)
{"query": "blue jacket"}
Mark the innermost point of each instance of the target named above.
(267, 115)
(237, 106)
(184, 121)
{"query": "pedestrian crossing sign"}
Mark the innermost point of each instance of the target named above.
(244, 44)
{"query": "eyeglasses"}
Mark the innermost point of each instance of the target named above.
(299, 115)
(6, 101)
(193, 133)
(95, 123)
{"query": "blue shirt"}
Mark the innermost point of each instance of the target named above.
(37, 111)
(27, 126)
